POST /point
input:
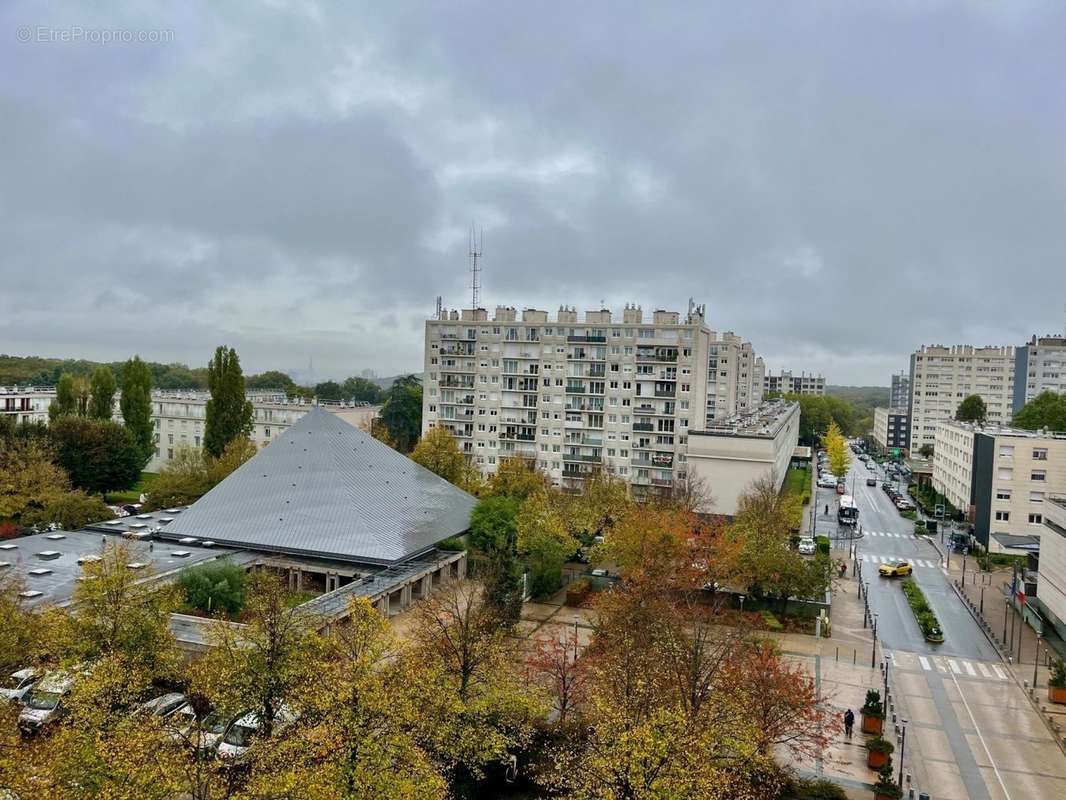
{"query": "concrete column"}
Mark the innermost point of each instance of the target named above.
(427, 585)
(405, 596)
(299, 579)
(461, 566)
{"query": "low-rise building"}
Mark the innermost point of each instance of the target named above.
(1000, 478)
(891, 429)
(26, 403)
(726, 459)
(787, 383)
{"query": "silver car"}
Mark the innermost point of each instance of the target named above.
(44, 702)
(19, 683)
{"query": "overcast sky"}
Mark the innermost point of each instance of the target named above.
(838, 181)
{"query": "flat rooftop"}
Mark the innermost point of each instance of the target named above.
(764, 422)
(1005, 430)
(49, 565)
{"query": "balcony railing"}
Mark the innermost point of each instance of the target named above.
(643, 426)
(666, 393)
(593, 339)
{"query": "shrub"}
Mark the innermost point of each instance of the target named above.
(923, 614)
(453, 544)
(772, 622)
(216, 587)
(872, 706)
(577, 592)
(880, 745)
(1058, 674)
(545, 579)
(920, 529)
(886, 782)
(812, 789)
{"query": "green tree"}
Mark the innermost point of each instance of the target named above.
(99, 455)
(29, 479)
(72, 398)
(972, 409)
(494, 525)
(1045, 411)
(136, 405)
(215, 587)
(544, 541)
(926, 451)
(401, 415)
(229, 413)
(362, 390)
(329, 390)
(69, 510)
(236, 453)
(102, 393)
(517, 478)
(182, 480)
(271, 379)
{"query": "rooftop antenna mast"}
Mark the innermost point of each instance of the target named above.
(476, 237)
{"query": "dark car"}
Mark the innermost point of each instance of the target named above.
(871, 481)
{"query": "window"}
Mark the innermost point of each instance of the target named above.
(1039, 454)
(1036, 497)
(1038, 475)
(1006, 474)
(1002, 516)
(1003, 494)
(1036, 519)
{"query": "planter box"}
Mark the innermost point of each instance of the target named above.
(876, 759)
(1056, 694)
(872, 724)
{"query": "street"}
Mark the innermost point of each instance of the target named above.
(971, 731)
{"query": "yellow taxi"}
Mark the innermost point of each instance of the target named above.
(894, 568)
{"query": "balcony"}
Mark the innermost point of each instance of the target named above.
(581, 457)
(518, 437)
(592, 339)
(661, 482)
(666, 393)
(644, 426)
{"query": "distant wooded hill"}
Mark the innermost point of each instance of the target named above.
(863, 400)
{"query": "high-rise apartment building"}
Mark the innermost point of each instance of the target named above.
(787, 383)
(734, 377)
(1039, 366)
(901, 391)
(891, 429)
(621, 394)
(942, 376)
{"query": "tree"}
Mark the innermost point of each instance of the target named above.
(544, 541)
(362, 390)
(501, 579)
(215, 587)
(926, 451)
(72, 398)
(401, 415)
(29, 480)
(69, 510)
(228, 413)
(19, 627)
(650, 541)
(517, 478)
(99, 455)
(136, 405)
(559, 669)
(1045, 411)
(271, 379)
(183, 480)
(972, 409)
(603, 502)
(236, 452)
(836, 447)
(438, 452)
(102, 393)
(493, 524)
(329, 390)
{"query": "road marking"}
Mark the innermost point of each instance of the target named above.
(924, 662)
(954, 666)
(984, 670)
(969, 669)
(980, 736)
(944, 571)
(999, 673)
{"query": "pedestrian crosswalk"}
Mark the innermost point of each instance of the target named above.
(887, 534)
(918, 562)
(944, 665)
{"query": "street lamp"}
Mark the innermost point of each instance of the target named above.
(873, 648)
(902, 749)
(884, 701)
(1036, 656)
(1006, 603)
(741, 598)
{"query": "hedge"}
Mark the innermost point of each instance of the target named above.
(923, 614)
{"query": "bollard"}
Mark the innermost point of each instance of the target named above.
(853, 656)
(838, 654)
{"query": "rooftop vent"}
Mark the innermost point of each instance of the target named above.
(144, 516)
(89, 559)
(55, 536)
(187, 540)
(114, 522)
(180, 554)
(136, 565)
(29, 594)
(139, 525)
(208, 543)
(165, 520)
(8, 546)
(49, 555)
(4, 564)
(38, 572)
(173, 510)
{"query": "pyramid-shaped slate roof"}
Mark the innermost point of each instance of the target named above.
(326, 489)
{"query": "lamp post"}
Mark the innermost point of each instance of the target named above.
(1036, 656)
(884, 697)
(873, 648)
(1006, 602)
(902, 749)
(741, 598)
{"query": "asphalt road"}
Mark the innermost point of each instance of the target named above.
(887, 535)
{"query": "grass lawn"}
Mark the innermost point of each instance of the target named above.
(798, 481)
(132, 495)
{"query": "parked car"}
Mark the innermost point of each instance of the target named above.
(827, 481)
(241, 733)
(205, 736)
(894, 569)
(44, 703)
(806, 547)
(162, 706)
(19, 683)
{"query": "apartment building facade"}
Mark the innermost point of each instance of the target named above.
(999, 477)
(735, 376)
(26, 404)
(1039, 366)
(941, 377)
(180, 418)
(571, 395)
(787, 383)
(1051, 585)
(891, 428)
(901, 391)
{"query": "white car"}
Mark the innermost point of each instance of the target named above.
(163, 706)
(205, 736)
(19, 683)
(806, 547)
(827, 481)
(241, 733)
(44, 701)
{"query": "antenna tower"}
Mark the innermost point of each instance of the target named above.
(476, 236)
(439, 306)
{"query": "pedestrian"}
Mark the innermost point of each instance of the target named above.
(849, 722)
(827, 509)
(843, 567)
